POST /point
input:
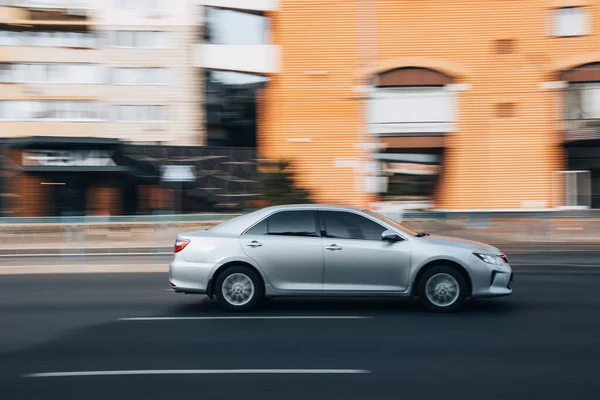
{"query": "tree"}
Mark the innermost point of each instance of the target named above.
(276, 184)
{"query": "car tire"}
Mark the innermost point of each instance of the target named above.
(442, 289)
(239, 288)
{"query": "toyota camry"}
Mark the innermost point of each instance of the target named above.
(321, 251)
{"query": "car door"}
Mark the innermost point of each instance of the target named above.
(287, 246)
(356, 257)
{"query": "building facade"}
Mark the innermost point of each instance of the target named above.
(101, 111)
(119, 69)
(474, 105)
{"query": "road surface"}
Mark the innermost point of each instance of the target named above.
(541, 343)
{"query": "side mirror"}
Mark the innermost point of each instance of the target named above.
(390, 236)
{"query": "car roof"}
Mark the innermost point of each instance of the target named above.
(237, 225)
(309, 206)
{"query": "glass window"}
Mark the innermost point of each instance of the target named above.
(570, 21)
(258, 229)
(293, 223)
(345, 225)
(236, 27)
(5, 73)
(130, 113)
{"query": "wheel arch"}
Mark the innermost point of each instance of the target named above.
(219, 270)
(442, 262)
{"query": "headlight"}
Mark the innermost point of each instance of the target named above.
(494, 260)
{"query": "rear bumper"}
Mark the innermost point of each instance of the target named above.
(186, 277)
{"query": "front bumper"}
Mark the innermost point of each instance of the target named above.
(492, 281)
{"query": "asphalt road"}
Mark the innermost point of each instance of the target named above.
(542, 342)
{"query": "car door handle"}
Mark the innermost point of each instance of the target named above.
(333, 247)
(254, 243)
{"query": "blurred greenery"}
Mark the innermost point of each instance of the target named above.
(276, 184)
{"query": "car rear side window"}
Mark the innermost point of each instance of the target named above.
(345, 225)
(258, 229)
(293, 223)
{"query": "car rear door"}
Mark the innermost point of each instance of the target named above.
(287, 246)
(356, 257)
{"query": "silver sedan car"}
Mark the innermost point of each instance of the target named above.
(313, 250)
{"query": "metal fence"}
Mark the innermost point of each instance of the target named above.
(156, 233)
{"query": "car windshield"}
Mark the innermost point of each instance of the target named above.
(392, 222)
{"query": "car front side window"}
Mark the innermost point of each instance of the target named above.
(346, 225)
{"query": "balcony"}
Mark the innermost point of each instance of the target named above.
(253, 59)
(249, 5)
(228, 48)
(414, 111)
(73, 13)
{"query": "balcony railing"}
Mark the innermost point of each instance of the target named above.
(250, 5)
(254, 59)
(55, 4)
(424, 128)
(40, 12)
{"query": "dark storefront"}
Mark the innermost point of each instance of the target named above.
(584, 155)
(55, 176)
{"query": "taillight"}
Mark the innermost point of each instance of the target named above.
(180, 244)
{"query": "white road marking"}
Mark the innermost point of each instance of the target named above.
(245, 317)
(194, 372)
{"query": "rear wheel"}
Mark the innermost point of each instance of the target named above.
(239, 288)
(442, 289)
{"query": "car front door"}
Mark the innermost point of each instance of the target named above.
(287, 247)
(357, 259)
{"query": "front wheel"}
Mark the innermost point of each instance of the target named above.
(239, 288)
(442, 289)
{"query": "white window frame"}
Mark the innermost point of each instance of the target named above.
(33, 107)
(117, 109)
(115, 71)
(559, 17)
(24, 38)
(35, 73)
(163, 44)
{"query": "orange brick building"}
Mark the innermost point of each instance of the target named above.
(502, 94)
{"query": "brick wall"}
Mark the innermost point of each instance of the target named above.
(492, 160)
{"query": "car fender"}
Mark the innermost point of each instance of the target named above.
(442, 257)
(239, 259)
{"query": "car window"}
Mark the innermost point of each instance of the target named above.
(392, 222)
(258, 229)
(345, 225)
(293, 223)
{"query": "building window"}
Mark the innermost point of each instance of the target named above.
(47, 38)
(140, 5)
(235, 27)
(52, 73)
(147, 39)
(131, 113)
(71, 4)
(51, 110)
(570, 21)
(140, 76)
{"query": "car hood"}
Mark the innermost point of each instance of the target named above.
(463, 243)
